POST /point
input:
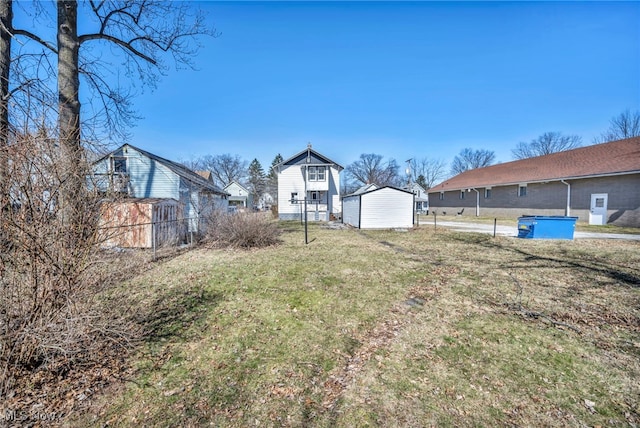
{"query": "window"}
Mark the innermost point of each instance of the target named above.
(294, 197)
(599, 202)
(442, 196)
(522, 190)
(487, 193)
(312, 174)
(119, 165)
(462, 194)
(316, 173)
(315, 196)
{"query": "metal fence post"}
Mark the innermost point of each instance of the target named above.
(153, 238)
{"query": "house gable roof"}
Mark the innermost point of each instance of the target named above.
(177, 168)
(613, 158)
(314, 157)
(205, 174)
(237, 184)
(363, 189)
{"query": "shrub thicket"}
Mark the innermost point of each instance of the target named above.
(241, 230)
(50, 319)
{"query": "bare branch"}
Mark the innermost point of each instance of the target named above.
(625, 125)
(35, 38)
(372, 169)
(547, 143)
(472, 159)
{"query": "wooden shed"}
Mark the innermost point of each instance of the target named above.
(137, 222)
(379, 208)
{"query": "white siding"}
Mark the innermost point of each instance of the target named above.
(334, 192)
(351, 210)
(386, 208)
(290, 180)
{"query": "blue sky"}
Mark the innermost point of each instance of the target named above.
(403, 80)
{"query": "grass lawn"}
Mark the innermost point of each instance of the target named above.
(384, 328)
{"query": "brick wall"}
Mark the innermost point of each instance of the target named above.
(623, 207)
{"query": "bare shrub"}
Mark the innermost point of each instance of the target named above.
(241, 230)
(49, 317)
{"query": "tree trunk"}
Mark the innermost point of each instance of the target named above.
(6, 18)
(71, 158)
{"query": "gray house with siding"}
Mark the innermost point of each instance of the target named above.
(136, 173)
(599, 184)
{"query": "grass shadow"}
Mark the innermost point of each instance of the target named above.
(170, 315)
(566, 260)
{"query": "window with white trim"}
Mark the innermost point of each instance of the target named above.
(522, 190)
(442, 196)
(316, 173)
(462, 194)
(487, 193)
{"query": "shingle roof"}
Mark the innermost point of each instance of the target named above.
(179, 169)
(616, 157)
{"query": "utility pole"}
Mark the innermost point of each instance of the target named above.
(408, 171)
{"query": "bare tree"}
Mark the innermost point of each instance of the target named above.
(625, 125)
(141, 32)
(547, 143)
(432, 171)
(6, 22)
(372, 169)
(224, 168)
(49, 230)
(471, 159)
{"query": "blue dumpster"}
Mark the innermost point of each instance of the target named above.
(546, 227)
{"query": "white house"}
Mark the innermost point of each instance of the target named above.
(422, 197)
(308, 176)
(240, 195)
(371, 207)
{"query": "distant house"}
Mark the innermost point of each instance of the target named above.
(599, 184)
(240, 196)
(421, 197)
(311, 176)
(265, 201)
(136, 173)
(373, 207)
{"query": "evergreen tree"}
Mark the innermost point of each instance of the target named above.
(422, 182)
(257, 180)
(272, 178)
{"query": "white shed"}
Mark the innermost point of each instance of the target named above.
(379, 208)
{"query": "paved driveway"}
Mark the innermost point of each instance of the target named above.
(513, 230)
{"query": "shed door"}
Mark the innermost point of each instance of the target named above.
(598, 212)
